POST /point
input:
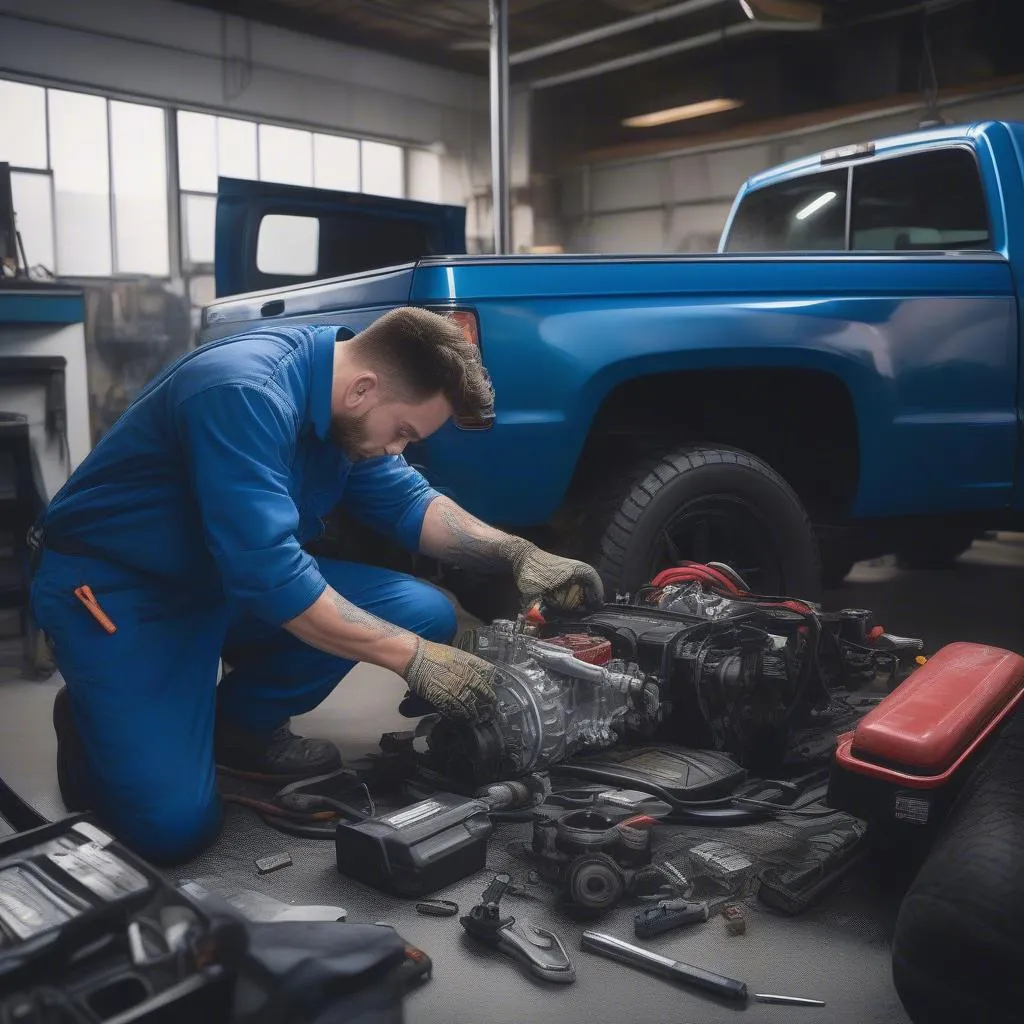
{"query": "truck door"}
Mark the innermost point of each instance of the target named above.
(273, 236)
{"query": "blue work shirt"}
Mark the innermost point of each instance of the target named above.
(223, 467)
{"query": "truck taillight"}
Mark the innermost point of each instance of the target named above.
(470, 327)
(466, 319)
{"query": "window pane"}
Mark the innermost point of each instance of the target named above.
(288, 245)
(197, 152)
(199, 214)
(22, 125)
(139, 169)
(383, 171)
(286, 155)
(800, 215)
(424, 176)
(236, 148)
(925, 201)
(33, 209)
(336, 163)
(81, 173)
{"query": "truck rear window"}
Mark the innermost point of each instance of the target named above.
(799, 215)
(924, 201)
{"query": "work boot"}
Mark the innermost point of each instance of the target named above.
(278, 756)
(70, 755)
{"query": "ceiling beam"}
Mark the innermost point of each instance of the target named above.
(616, 28)
(744, 28)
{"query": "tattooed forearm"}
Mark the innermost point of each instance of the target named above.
(338, 627)
(452, 535)
(356, 616)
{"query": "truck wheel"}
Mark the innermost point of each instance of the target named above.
(936, 548)
(709, 504)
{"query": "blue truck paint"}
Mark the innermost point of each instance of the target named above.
(241, 206)
(926, 344)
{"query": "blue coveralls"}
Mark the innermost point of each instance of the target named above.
(187, 521)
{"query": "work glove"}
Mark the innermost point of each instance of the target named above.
(562, 583)
(458, 684)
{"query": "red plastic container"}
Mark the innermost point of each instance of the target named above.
(905, 756)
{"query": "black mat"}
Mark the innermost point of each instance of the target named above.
(837, 951)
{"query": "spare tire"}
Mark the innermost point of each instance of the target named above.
(958, 949)
(707, 503)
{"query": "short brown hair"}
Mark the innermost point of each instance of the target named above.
(419, 354)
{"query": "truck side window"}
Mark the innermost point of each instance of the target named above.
(924, 201)
(798, 215)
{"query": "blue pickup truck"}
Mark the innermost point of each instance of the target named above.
(842, 379)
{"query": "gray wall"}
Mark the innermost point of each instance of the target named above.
(679, 203)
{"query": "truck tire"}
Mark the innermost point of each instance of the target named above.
(936, 548)
(708, 503)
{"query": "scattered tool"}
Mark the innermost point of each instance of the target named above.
(685, 974)
(276, 861)
(668, 914)
(735, 922)
(437, 908)
(538, 949)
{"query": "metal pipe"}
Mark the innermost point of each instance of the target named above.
(616, 28)
(500, 192)
(681, 46)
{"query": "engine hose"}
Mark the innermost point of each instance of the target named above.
(697, 574)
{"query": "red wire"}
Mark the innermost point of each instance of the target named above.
(692, 572)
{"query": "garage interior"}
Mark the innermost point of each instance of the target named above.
(630, 126)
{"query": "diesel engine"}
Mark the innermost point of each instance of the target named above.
(693, 659)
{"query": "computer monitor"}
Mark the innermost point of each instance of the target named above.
(8, 235)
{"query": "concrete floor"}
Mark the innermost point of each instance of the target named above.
(981, 599)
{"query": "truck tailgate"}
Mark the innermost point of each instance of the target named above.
(317, 302)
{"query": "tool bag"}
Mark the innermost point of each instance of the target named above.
(89, 932)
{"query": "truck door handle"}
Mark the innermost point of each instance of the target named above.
(275, 307)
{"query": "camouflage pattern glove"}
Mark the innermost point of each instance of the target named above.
(457, 683)
(563, 583)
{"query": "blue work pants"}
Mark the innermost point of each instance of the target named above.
(144, 698)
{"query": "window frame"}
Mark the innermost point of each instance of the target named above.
(851, 167)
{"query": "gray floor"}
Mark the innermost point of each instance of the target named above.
(839, 951)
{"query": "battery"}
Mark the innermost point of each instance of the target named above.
(418, 849)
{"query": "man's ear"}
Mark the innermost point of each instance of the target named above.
(362, 391)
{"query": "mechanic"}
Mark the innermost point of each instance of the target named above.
(176, 548)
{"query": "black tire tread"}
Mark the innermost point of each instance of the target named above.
(620, 508)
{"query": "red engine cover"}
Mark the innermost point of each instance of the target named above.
(594, 650)
(933, 721)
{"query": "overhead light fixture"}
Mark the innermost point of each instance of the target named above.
(815, 205)
(684, 113)
(747, 10)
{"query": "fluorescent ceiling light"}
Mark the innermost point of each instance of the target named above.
(815, 205)
(684, 113)
(747, 9)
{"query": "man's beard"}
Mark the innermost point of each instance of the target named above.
(349, 435)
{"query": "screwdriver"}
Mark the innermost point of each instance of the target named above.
(685, 974)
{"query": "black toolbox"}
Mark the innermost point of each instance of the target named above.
(90, 933)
